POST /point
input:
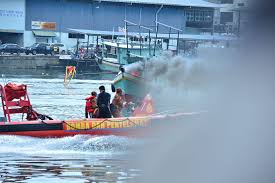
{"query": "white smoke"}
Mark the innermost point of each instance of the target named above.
(230, 143)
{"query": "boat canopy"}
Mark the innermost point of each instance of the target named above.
(124, 45)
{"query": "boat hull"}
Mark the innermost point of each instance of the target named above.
(133, 126)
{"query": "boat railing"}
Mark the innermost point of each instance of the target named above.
(111, 55)
(135, 55)
(144, 44)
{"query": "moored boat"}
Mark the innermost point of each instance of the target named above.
(133, 84)
(116, 54)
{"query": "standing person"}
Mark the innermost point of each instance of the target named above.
(117, 103)
(81, 53)
(91, 105)
(103, 103)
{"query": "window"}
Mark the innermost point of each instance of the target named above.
(208, 16)
(58, 44)
(201, 17)
(11, 46)
(189, 15)
(197, 16)
(241, 4)
(226, 17)
(227, 1)
(75, 35)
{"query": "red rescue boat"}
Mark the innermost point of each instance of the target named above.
(15, 100)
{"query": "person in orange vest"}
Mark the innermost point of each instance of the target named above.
(117, 103)
(91, 106)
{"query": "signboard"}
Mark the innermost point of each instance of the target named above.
(90, 125)
(121, 29)
(43, 25)
(11, 13)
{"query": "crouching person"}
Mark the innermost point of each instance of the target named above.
(117, 103)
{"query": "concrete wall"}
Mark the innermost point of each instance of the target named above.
(29, 38)
(28, 62)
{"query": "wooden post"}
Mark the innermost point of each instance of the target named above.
(126, 33)
(87, 51)
(156, 40)
(239, 23)
(149, 43)
(169, 38)
(178, 39)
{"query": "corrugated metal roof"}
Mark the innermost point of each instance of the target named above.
(195, 3)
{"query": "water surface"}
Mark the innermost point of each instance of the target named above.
(70, 159)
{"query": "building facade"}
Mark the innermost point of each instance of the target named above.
(231, 18)
(12, 21)
(52, 20)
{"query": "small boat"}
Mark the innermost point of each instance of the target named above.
(15, 100)
(57, 128)
(132, 83)
(114, 55)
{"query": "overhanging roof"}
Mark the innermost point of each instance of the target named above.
(11, 31)
(194, 3)
(41, 33)
(160, 36)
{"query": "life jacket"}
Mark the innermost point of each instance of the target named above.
(90, 104)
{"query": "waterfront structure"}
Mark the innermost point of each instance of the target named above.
(30, 21)
(231, 18)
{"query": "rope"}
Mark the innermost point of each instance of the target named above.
(127, 119)
(105, 120)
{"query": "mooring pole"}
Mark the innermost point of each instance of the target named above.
(178, 39)
(149, 43)
(157, 28)
(88, 44)
(169, 38)
(126, 33)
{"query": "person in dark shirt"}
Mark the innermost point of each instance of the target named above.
(103, 103)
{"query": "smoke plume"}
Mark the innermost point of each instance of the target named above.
(233, 141)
